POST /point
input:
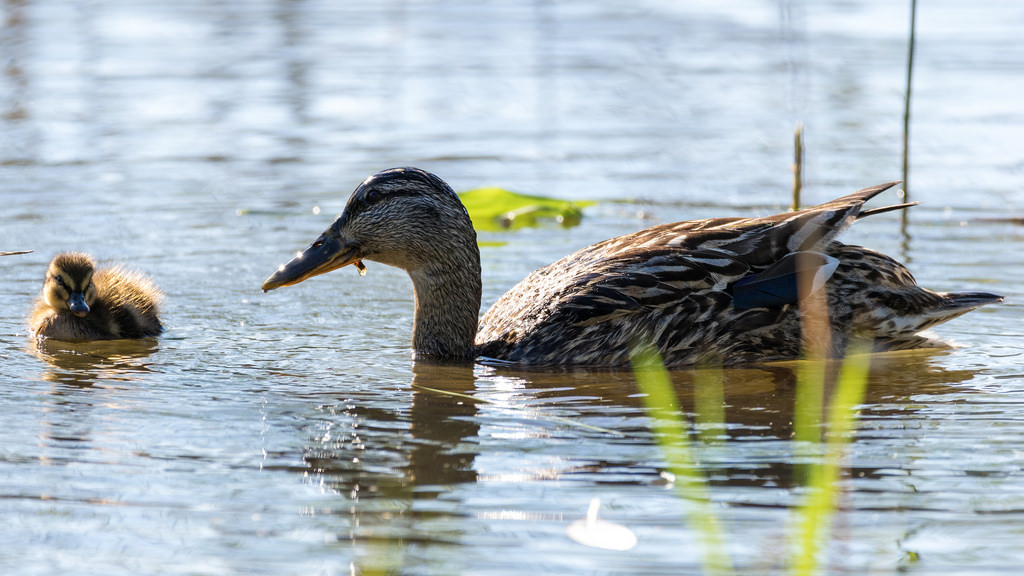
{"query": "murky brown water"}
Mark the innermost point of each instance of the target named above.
(290, 432)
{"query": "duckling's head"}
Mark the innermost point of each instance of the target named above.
(68, 284)
(404, 217)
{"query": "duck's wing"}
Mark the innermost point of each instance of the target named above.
(131, 301)
(759, 240)
(561, 314)
(680, 272)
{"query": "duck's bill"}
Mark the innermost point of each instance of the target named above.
(325, 254)
(77, 304)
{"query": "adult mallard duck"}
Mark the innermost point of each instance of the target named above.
(79, 302)
(721, 289)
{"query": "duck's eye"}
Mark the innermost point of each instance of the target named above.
(373, 196)
(318, 243)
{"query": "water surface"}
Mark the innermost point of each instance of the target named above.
(290, 432)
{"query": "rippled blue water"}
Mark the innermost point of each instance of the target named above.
(205, 142)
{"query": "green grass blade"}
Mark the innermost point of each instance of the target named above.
(814, 516)
(810, 401)
(672, 434)
(709, 400)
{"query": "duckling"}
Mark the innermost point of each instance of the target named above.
(717, 290)
(79, 302)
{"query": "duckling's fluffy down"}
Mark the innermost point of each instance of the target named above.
(124, 303)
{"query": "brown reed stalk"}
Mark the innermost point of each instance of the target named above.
(798, 164)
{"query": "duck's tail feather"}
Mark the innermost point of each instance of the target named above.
(873, 211)
(954, 304)
(861, 196)
(967, 301)
(907, 332)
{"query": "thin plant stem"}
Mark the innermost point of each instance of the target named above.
(906, 102)
(816, 333)
(798, 164)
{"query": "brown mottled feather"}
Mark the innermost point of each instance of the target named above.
(667, 285)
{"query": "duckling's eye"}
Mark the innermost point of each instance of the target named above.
(60, 282)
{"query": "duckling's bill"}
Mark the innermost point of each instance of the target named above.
(78, 305)
(327, 253)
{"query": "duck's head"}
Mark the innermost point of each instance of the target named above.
(404, 217)
(69, 285)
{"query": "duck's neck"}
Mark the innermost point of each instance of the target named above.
(447, 306)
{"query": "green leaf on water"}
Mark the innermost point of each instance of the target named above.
(493, 209)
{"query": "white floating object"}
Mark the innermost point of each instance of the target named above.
(601, 534)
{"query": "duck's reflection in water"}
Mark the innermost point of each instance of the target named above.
(392, 468)
(82, 377)
(758, 411)
(422, 445)
(85, 363)
(397, 471)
